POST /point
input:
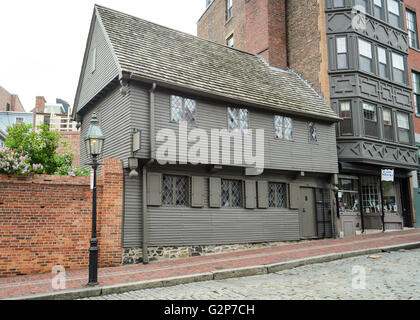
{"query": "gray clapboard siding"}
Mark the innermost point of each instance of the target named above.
(296, 155)
(105, 71)
(132, 225)
(262, 194)
(197, 192)
(115, 121)
(185, 226)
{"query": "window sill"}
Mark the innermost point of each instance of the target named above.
(414, 49)
(417, 115)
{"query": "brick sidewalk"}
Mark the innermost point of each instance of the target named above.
(41, 284)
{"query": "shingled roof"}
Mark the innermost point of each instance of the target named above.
(157, 53)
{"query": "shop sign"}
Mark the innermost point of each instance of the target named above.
(388, 175)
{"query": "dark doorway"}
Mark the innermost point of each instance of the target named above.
(406, 203)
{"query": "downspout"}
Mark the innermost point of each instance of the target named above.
(144, 180)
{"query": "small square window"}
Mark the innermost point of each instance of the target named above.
(237, 120)
(183, 109)
(231, 193)
(174, 190)
(277, 195)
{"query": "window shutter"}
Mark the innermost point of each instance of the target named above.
(294, 196)
(262, 194)
(215, 192)
(197, 192)
(154, 189)
(250, 194)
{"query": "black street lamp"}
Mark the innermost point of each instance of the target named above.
(94, 142)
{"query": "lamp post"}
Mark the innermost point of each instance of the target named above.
(94, 142)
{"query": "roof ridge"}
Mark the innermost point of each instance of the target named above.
(175, 30)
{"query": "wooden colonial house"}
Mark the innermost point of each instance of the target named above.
(141, 78)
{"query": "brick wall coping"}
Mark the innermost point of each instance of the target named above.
(46, 179)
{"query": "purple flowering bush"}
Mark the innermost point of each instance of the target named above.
(31, 151)
(15, 162)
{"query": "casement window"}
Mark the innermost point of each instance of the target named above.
(398, 68)
(277, 195)
(231, 193)
(403, 127)
(228, 9)
(283, 127)
(378, 9)
(341, 43)
(346, 126)
(388, 127)
(348, 194)
(365, 55)
(394, 13)
(338, 3)
(382, 63)
(183, 109)
(412, 29)
(229, 41)
(313, 134)
(174, 190)
(416, 91)
(363, 4)
(371, 120)
(18, 121)
(237, 120)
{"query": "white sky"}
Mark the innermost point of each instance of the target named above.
(42, 42)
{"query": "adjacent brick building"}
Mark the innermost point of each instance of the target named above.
(412, 10)
(10, 102)
(356, 54)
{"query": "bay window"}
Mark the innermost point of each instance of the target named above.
(341, 52)
(403, 127)
(398, 67)
(382, 63)
(378, 9)
(371, 120)
(365, 55)
(346, 126)
(388, 128)
(394, 13)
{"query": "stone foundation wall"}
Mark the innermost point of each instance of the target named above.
(134, 255)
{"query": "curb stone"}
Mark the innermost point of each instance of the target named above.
(215, 275)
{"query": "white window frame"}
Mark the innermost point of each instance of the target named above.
(342, 50)
(365, 53)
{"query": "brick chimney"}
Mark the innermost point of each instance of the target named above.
(39, 104)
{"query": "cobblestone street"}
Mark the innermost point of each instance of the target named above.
(394, 275)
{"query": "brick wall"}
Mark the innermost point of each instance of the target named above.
(304, 39)
(73, 140)
(46, 221)
(414, 56)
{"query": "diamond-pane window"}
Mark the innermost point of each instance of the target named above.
(175, 191)
(237, 120)
(313, 135)
(231, 193)
(277, 195)
(283, 127)
(183, 109)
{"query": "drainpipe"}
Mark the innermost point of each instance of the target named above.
(144, 180)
